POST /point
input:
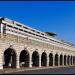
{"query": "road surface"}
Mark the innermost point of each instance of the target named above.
(63, 70)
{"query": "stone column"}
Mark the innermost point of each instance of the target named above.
(17, 65)
(1, 30)
(66, 60)
(30, 61)
(39, 60)
(47, 60)
(53, 60)
(63, 60)
(58, 60)
(72, 60)
(1, 62)
(1, 65)
(69, 60)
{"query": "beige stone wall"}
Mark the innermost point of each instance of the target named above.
(24, 42)
(19, 44)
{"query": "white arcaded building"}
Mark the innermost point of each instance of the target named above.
(23, 46)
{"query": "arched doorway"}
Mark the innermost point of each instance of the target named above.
(44, 59)
(50, 59)
(61, 60)
(9, 58)
(35, 59)
(68, 59)
(64, 59)
(24, 58)
(56, 59)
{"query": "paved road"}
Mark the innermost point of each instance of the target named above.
(63, 70)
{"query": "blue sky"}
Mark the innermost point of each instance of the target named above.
(58, 17)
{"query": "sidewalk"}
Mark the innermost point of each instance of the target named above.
(9, 70)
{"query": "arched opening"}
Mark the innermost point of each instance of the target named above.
(71, 59)
(9, 58)
(56, 59)
(61, 60)
(68, 57)
(24, 58)
(64, 59)
(35, 59)
(50, 59)
(44, 59)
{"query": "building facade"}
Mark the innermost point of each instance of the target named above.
(23, 46)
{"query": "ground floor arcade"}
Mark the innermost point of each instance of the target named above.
(25, 59)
